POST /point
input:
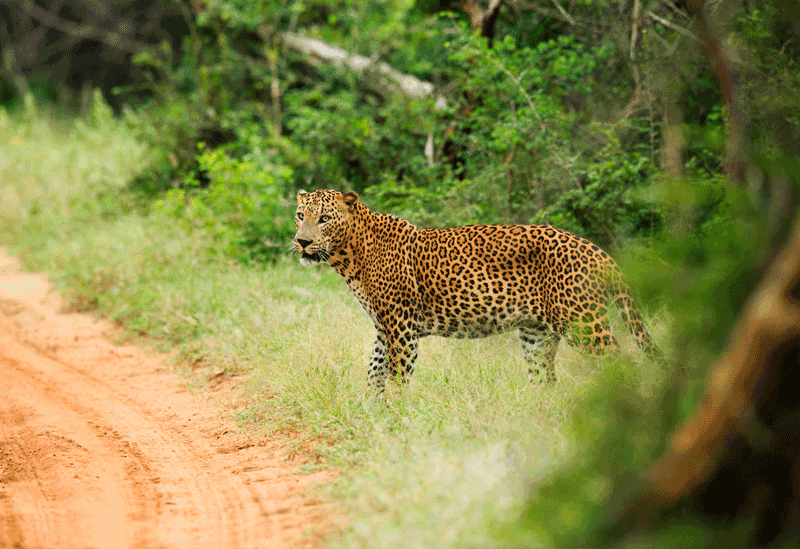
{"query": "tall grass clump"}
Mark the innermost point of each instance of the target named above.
(56, 172)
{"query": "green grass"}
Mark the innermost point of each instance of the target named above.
(445, 462)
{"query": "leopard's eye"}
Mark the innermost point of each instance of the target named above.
(324, 218)
(299, 216)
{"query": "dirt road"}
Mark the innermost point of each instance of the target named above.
(100, 446)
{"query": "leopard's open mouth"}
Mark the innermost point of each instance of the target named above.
(313, 258)
(310, 259)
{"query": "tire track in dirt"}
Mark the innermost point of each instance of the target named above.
(101, 446)
(45, 465)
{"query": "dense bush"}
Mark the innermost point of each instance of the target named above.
(529, 133)
(510, 147)
(524, 137)
(241, 207)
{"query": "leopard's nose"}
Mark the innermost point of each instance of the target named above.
(303, 243)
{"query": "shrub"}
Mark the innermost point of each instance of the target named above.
(241, 206)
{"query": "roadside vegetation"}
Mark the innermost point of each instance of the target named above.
(167, 204)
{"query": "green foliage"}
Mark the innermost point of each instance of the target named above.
(341, 140)
(240, 208)
(617, 434)
(604, 208)
(511, 147)
(714, 253)
(332, 133)
(545, 160)
(769, 40)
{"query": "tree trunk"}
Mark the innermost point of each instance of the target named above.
(738, 457)
(482, 20)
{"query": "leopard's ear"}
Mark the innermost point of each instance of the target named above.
(350, 198)
(300, 194)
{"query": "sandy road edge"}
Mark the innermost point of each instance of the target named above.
(100, 444)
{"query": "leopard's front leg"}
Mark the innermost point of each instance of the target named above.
(395, 352)
(402, 353)
(378, 370)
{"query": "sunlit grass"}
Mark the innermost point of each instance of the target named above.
(55, 169)
(441, 463)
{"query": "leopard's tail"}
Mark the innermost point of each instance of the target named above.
(621, 294)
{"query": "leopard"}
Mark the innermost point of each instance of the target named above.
(466, 282)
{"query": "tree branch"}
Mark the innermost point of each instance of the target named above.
(635, 24)
(553, 14)
(727, 77)
(109, 37)
(383, 76)
(672, 26)
(480, 19)
(567, 17)
(770, 322)
(674, 8)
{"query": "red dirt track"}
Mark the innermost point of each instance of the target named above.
(101, 446)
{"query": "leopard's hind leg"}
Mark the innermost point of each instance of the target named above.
(539, 346)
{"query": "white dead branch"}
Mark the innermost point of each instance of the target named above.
(383, 76)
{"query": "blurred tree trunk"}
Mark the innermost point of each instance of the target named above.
(737, 459)
(482, 20)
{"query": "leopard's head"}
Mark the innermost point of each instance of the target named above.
(324, 223)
